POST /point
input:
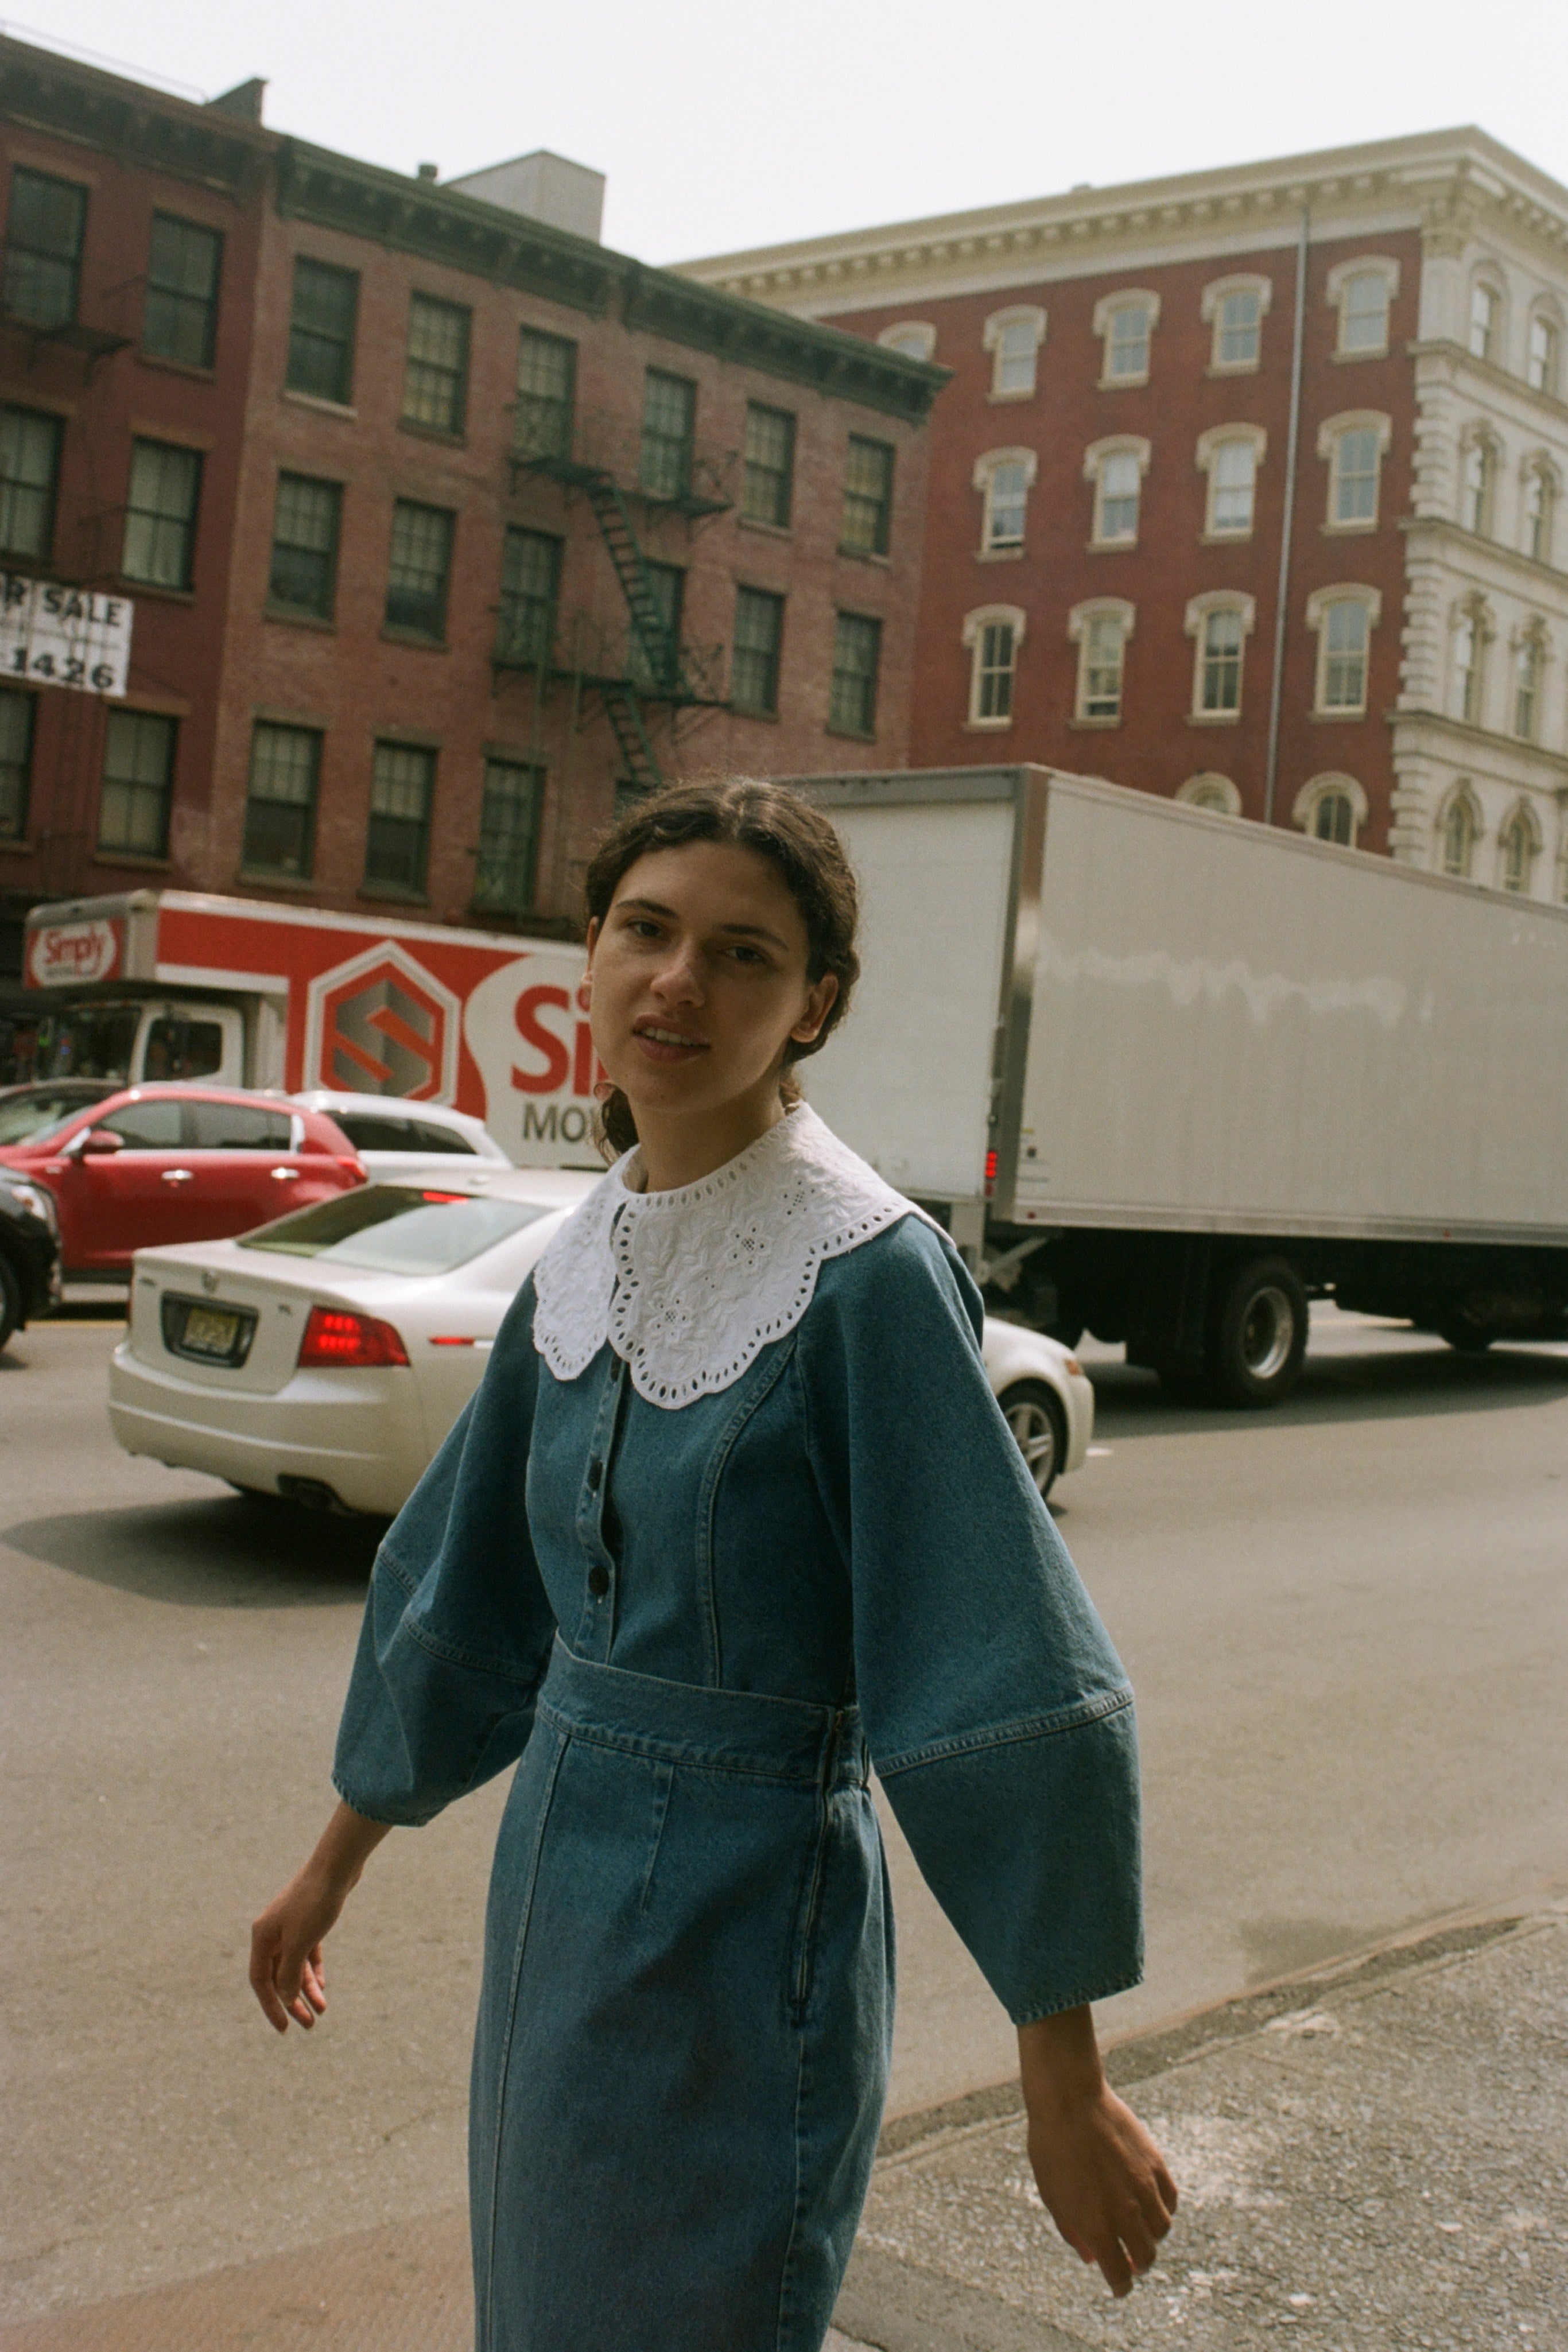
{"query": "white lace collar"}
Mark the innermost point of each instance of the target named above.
(689, 1284)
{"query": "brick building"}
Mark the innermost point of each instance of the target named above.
(1340, 376)
(439, 523)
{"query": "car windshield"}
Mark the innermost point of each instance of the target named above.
(398, 1229)
(35, 1116)
(89, 1041)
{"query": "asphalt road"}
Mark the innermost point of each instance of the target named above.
(1346, 1622)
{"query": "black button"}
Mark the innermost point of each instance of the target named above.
(598, 1581)
(595, 1472)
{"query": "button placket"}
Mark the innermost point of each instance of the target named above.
(598, 1612)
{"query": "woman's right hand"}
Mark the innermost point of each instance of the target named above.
(287, 1974)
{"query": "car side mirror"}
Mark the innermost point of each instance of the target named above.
(101, 1143)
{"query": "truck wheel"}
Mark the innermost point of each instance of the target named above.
(1259, 1336)
(10, 1302)
(1034, 1415)
(1464, 1332)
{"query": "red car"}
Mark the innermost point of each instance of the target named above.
(150, 1165)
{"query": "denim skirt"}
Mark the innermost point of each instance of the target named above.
(683, 2035)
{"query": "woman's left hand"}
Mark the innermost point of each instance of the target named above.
(1100, 2176)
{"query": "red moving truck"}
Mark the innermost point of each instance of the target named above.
(158, 984)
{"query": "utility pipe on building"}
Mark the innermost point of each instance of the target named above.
(1271, 772)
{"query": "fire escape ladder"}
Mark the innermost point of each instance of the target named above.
(637, 754)
(656, 638)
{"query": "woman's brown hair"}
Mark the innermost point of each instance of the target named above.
(743, 812)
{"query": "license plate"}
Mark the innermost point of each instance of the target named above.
(207, 1335)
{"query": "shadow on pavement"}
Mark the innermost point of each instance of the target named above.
(234, 1552)
(1414, 1382)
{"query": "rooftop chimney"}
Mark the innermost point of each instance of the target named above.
(244, 99)
(545, 187)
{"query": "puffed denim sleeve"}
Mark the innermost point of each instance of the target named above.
(997, 1713)
(456, 1629)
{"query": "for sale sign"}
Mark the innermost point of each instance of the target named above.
(54, 634)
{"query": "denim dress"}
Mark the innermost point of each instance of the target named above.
(695, 1607)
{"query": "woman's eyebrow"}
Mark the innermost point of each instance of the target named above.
(733, 930)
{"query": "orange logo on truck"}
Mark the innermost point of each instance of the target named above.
(383, 1024)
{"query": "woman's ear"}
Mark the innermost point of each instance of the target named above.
(819, 1003)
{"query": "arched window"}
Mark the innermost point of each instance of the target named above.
(1236, 308)
(992, 635)
(1332, 808)
(1486, 320)
(1472, 635)
(1542, 366)
(1458, 830)
(1014, 339)
(914, 337)
(1363, 292)
(1116, 468)
(1478, 477)
(1003, 477)
(1540, 508)
(1529, 663)
(1230, 456)
(1127, 321)
(1101, 630)
(1518, 845)
(1344, 617)
(1211, 791)
(1219, 624)
(1354, 443)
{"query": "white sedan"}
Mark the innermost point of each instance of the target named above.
(398, 1139)
(325, 1357)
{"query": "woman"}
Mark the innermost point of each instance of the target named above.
(733, 1514)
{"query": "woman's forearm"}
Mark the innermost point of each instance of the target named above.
(1059, 2057)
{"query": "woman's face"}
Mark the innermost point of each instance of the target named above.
(698, 974)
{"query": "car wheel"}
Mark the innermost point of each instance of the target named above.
(1259, 1336)
(10, 1302)
(1033, 1412)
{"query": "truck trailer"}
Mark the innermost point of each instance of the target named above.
(1168, 1076)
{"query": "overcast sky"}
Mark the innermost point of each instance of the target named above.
(722, 125)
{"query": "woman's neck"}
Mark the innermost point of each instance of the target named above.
(682, 1149)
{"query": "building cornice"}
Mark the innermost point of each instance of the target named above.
(1439, 182)
(1511, 559)
(1458, 360)
(1501, 751)
(56, 95)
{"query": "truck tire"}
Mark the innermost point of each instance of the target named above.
(1258, 1334)
(10, 1302)
(1464, 1332)
(1034, 1415)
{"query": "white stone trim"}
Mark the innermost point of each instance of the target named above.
(889, 338)
(1208, 445)
(1095, 608)
(1114, 445)
(1318, 789)
(1218, 600)
(1020, 314)
(985, 467)
(1331, 433)
(974, 626)
(1342, 592)
(1203, 790)
(1243, 281)
(1460, 793)
(1382, 265)
(1522, 812)
(1108, 308)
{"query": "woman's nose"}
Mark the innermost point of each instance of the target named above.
(679, 979)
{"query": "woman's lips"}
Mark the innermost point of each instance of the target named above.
(666, 1045)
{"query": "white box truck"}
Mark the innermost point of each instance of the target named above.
(1169, 1075)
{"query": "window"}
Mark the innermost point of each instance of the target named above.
(1486, 312)
(1003, 477)
(179, 317)
(868, 497)
(993, 635)
(669, 431)
(15, 761)
(138, 783)
(1459, 829)
(435, 372)
(529, 582)
(1215, 794)
(1102, 632)
(281, 806)
(1540, 511)
(418, 571)
(1362, 291)
(1540, 363)
(1235, 308)
(1230, 456)
(1353, 444)
(767, 487)
(1518, 841)
(856, 655)
(1471, 637)
(1219, 623)
(401, 786)
(1126, 322)
(305, 545)
(1332, 808)
(322, 332)
(653, 651)
(1529, 661)
(30, 462)
(754, 662)
(912, 337)
(1345, 619)
(236, 1127)
(546, 388)
(155, 1126)
(160, 514)
(43, 248)
(1477, 475)
(1014, 339)
(1116, 468)
(504, 873)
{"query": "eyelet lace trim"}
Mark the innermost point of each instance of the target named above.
(688, 1285)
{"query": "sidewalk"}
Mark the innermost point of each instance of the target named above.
(1372, 2159)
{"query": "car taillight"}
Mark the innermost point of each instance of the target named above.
(332, 1336)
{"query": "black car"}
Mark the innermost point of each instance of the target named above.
(29, 1251)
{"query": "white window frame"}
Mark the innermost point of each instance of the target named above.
(1029, 318)
(1485, 282)
(1332, 433)
(986, 469)
(1213, 302)
(1523, 816)
(1107, 310)
(1080, 620)
(1218, 600)
(1211, 791)
(1116, 445)
(1379, 265)
(1318, 606)
(1209, 446)
(1461, 796)
(1471, 611)
(1544, 314)
(1530, 640)
(915, 338)
(1479, 440)
(975, 625)
(1539, 473)
(1331, 785)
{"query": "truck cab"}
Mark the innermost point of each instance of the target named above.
(141, 1041)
